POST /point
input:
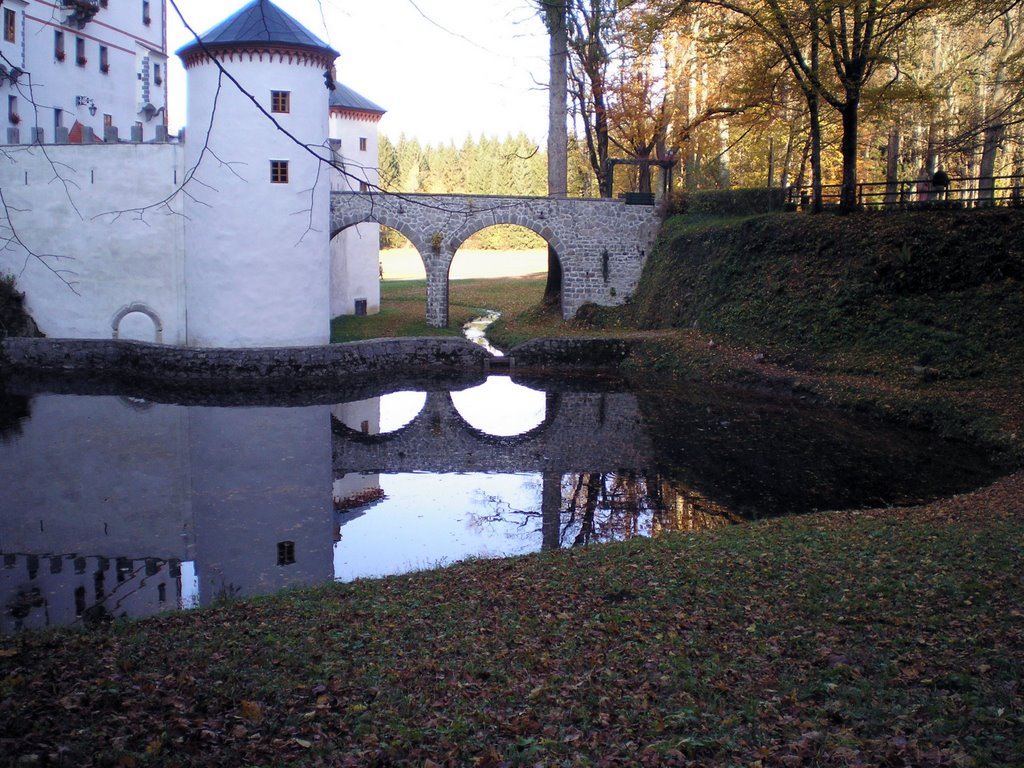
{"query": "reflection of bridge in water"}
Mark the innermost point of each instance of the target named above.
(585, 434)
(581, 431)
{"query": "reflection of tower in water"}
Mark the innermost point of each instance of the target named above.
(117, 506)
(260, 498)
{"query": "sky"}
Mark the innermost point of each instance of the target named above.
(443, 69)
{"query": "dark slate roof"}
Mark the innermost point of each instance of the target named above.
(345, 98)
(261, 22)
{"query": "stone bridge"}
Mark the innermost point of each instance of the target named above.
(601, 244)
(581, 432)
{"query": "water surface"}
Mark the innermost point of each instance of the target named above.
(122, 505)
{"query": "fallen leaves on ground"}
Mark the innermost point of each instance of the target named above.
(879, 637)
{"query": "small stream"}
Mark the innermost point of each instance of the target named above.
(476, 331)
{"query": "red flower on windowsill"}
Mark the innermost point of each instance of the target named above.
(81, 61)
(15, 118)
(59, 55)
(104, 68)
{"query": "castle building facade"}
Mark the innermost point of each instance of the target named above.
(218, 238)
(71, 70)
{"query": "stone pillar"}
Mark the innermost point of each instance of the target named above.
(438, 264)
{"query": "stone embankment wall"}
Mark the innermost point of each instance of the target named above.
(134, 361)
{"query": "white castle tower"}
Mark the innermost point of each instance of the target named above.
(257, 266)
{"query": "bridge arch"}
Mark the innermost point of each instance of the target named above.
(385, 219)
(497, 218)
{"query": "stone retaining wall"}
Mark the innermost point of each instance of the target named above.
(149, 362)
(134, 361)
(577, 352)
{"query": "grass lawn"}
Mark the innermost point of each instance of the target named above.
(403, 307)
(886, 637)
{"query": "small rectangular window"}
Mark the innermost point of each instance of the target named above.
(58, 45)
(108, 121)
(10, 25)
(104, 59)
(80, 59)
(279, 171)
(362, 144)
(58, 120)
(280, 101)
(12, 110)
(364, 187)
(146, 19)
(285, 552)
(158, 78)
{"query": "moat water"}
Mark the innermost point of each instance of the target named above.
(123, 505)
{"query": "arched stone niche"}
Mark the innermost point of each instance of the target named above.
(137, 328)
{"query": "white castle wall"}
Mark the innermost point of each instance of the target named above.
(355, 252)
(82, 206)
(258, 266)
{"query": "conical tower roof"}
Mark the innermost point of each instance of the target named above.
(259, 24)
(344, 98)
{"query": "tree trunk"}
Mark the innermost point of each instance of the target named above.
(892, 162)
(558, 145)
(848, 194)
(814, 109)
(992, 138)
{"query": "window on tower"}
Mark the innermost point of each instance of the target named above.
(58, 45)
(362, 143)
(279, 171)
(10, 25)
(146, 19)
(80, 59)
(104, 59)
(280, 101)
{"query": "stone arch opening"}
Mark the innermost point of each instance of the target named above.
(137, 322)
(513, 255)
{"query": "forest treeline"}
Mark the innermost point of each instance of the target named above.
(756, 93)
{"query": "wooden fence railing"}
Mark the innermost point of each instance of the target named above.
(961, 192)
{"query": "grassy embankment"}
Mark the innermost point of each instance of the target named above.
(887, 637)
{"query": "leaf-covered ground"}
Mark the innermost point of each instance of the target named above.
(883, 637)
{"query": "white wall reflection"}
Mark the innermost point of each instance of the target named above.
(501, 407)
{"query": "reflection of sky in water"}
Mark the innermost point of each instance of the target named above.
(460, 515)
(499, 406)
(399, 408)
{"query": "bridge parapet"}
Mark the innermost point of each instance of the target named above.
(601, 244)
